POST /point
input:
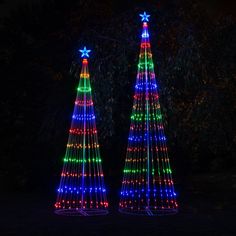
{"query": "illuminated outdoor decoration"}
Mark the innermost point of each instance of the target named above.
(81, 190)
(147, 186)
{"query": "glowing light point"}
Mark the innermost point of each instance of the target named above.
(84, 52)
(144, 17)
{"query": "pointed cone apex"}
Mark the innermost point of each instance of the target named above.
(145, 33)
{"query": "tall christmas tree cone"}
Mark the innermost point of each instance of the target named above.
(147, 186)
(81, 190)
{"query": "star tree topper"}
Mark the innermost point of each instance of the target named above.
(84, 52)
(144, 17)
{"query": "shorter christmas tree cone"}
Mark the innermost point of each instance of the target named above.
(82, 190)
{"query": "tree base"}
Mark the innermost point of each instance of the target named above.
(148, 212)
(81, 212)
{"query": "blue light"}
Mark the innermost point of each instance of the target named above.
(162, 138)
(84, 117)
(140, 138)
(145, 34)
(79, 190)
(144, 17)
(84, 52)
(142, 86)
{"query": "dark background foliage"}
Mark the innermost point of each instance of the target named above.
(194, 46)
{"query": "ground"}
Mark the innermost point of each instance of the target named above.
(32, 214)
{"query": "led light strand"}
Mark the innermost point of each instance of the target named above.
(82, 190)
(147, 186)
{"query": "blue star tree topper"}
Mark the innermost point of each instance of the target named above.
(144, 17)
(84, 52)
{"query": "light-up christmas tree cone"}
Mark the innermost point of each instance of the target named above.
(82, 190)
(147, 186)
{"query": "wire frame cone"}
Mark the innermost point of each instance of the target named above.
(147, 186)
(82, 191)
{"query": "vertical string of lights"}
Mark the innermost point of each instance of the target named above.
(82, 190)
(147, 186)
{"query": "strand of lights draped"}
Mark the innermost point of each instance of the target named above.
(82, 190)
(147, 186)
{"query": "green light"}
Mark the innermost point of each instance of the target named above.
(84, 89)
(151, 66)
(167, 171)
(140, 117)
(134, 171)
(141, 65)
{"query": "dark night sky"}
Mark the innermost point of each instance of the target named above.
(7, 6)
(229, 5)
